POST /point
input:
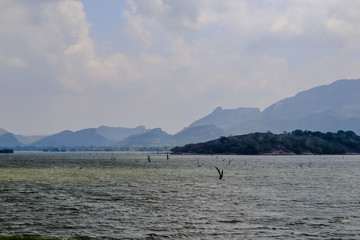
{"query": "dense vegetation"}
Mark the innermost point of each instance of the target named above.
(90, 148)
(6, 150)
(296, 142)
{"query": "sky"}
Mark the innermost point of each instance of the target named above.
(70, 65)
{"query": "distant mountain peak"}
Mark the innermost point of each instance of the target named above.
(2, 131)
(157, 130)
(226, 118)
(341, 96)
(326, 108)
(9, 140)
(218, 109)
(67, 138)
(120, 133)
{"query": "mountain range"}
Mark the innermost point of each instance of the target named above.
(326, 108)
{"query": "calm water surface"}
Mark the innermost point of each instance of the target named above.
(123, 196)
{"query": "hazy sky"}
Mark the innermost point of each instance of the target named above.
(164, 63)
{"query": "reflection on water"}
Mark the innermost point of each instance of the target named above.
(123, 196)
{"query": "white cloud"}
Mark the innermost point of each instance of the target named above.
(12, 61)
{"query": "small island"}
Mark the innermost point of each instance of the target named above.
(7, 150)
(297, 142)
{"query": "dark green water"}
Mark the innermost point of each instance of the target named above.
(123, 196)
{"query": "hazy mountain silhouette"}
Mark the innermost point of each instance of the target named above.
(199, 134)
(226, 118)
(120, 133)
(324, 122)
(24, 140)
(9, 140)
(157, 137)
(324, 108)
(2, 131)
(27, 140)
(154, 137)
(340, 97)
(85, 137)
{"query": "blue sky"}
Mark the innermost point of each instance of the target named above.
(106, 21)
(68, 64)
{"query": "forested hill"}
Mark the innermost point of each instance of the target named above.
(296, 142)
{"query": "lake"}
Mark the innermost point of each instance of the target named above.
(121, 195)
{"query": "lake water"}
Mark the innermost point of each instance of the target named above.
(124, 196)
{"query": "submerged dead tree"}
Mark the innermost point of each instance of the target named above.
(221, 173)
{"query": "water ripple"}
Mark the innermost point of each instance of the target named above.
(127, 198)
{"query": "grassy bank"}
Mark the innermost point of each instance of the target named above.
(24, 238)
(33, 238)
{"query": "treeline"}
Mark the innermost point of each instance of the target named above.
(6, 150)
(92, 148)
(296, 142)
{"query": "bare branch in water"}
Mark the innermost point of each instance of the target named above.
(221, 173)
